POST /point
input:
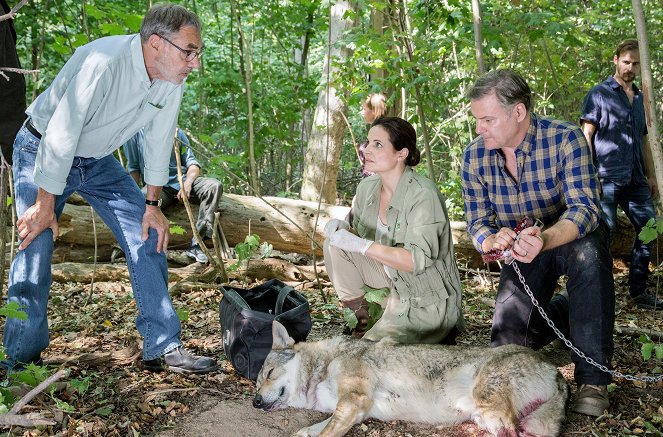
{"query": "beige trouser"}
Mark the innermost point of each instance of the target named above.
(349, 272)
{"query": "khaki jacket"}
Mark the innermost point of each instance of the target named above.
(426, 304)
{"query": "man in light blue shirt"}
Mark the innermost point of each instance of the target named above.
(205, 191)
(108, 90)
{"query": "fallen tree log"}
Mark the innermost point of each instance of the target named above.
(257, 269)
(241, 215)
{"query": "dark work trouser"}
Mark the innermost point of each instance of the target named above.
(587, 318)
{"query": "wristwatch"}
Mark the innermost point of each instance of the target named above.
(153, 202)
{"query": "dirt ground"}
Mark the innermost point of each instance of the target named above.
(93, 337)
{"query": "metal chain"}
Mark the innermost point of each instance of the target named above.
(570, 345)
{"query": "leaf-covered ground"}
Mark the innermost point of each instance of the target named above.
(107, 393)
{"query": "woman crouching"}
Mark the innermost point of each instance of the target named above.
(399, 239)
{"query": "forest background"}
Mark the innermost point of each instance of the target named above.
(269, 105)
(275, 110)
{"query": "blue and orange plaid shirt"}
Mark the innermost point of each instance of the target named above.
(556, 180)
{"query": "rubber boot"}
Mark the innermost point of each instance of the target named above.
(359, 307)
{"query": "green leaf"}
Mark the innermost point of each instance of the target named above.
(647, 350)
(177, 230)
(80, 385)
(375, 295)
(63, 406)
(13, 310)
(349, 318)
(104, 411)
(647, 234)
(112, 29)
(32, 375)
(375, 311)
(182, 314)
(659, 351)
(9, 201)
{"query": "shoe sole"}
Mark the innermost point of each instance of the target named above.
(588, 410)
(181, 370)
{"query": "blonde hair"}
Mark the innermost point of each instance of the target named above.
(377, 103)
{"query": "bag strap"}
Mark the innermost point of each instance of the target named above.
(283, 294)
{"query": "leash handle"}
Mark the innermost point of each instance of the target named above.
(505, 254)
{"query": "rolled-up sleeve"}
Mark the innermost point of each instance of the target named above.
(579, 183)
(426, 220)
(591, 108)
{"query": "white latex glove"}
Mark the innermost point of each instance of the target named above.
(346, 240)
(334, 225)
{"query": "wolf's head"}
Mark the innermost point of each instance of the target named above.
(278, 375)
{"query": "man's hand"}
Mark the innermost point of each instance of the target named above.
(185, 190)
(502, 240)
(528, 245)
(37, 218)
(154, 218)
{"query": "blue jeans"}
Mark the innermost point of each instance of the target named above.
(113, 194)
(636, 201)
(586, 318)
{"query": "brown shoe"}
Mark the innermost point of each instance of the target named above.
(591, 400)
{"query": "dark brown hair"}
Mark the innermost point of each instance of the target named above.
(402, 136)
(628, 45)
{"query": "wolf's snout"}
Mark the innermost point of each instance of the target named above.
(257, 401)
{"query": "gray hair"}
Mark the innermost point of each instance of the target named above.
(167, 19)
(509, 88)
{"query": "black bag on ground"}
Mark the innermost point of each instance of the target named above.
(246, 318)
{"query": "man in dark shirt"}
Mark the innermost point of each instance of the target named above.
(614, 123)
(12, 91)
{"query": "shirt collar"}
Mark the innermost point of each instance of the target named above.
(612, 82)
(138, 60)
(530, 137)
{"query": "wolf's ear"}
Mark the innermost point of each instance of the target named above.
(280, 337)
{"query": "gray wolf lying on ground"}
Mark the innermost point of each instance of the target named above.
(508, 390)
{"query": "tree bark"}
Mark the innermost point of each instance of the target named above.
(649, 94)
(75, 243)
(478, 36)
(326, 140)
(246, 67)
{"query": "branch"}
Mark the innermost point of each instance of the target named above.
(11, 14)
(15, 70)
(24, 420)
(35, 391)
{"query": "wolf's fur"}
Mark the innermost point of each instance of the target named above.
(507, 390)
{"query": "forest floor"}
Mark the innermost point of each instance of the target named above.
(106, 392)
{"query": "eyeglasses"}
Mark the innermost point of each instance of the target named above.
(189, 55)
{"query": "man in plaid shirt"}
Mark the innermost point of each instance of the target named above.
(526, 165)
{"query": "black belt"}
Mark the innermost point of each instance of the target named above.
(32, 129)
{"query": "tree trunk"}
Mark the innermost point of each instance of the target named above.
(326, 141)
(478, 36)
(246, 67)
(649, 94)
(76, 240)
